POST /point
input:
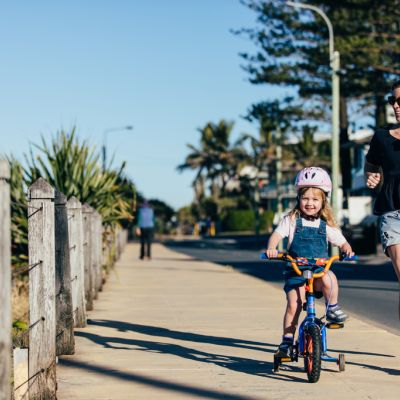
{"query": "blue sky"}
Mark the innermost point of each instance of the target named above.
(166, 67)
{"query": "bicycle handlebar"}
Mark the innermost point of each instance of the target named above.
(294, 262)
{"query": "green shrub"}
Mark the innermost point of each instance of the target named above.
(239, 220)
(266, 220)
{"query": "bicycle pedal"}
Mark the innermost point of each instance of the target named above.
(285, 359)
(334, 325)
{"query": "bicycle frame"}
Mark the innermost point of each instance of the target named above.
(311, 318)
(310, 305)
(311, 324)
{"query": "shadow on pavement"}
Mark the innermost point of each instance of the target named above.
(159, 383)
(361, 352)
(185, 336)
(389, 371)
(237, 364)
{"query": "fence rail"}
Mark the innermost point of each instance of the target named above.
(66, 260)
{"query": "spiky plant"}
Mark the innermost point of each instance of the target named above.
(73, 167)
(19, 221)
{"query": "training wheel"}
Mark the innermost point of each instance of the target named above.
(341, 362)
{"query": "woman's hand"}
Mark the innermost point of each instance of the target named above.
(271, 253)
(346, 248)
(373, 179)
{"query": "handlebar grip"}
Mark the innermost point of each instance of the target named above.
(345, 258)
(281, 254)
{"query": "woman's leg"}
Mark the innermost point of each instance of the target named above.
(295, 299)
(394, 254)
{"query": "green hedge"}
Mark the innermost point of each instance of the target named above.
(239, 220)
(266, 220)
(244, 220)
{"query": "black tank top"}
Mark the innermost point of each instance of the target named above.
(384, 151)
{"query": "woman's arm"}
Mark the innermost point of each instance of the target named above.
(373, 159)
(373, 175)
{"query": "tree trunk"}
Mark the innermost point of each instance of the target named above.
(380, 103)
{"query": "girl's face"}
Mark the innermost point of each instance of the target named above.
(311, 202)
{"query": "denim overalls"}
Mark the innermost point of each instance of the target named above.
(307, 242)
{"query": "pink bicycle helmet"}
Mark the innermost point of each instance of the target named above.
(314, 177)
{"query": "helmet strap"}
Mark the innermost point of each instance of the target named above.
(310, 217)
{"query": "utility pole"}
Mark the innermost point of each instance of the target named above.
(279, 178)
(334, 58)
(335, 65)
(104, 147)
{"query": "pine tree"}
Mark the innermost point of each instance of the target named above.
(293, 51)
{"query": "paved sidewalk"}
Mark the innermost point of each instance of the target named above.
(180, 328)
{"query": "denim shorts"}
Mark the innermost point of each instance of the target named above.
(293, 281)
(389, 229)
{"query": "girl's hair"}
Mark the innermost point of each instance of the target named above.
(325, 213)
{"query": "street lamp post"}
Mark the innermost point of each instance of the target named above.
(279, 208)
(104, 149)
(334, 57)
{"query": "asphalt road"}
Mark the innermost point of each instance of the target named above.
(368, 289)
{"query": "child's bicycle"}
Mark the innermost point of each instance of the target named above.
(311, 343)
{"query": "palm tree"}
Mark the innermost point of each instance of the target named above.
(308, 152)
(212, 159)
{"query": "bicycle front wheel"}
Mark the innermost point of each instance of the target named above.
(312, 352)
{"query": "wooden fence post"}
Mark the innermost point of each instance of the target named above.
(65, 343)
(75, 231)
(21, 374)
(101, 253)
(95, 264)
(116, 244)
(97, 247)
(5, 281)
(42, 291)
(87, 253)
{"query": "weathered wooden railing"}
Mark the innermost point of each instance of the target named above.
(66, 259)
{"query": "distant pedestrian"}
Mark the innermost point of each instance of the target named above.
(382, 167)
(145, 228)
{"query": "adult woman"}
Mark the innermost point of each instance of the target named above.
(382, 168)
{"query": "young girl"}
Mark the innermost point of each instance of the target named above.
(309, 227)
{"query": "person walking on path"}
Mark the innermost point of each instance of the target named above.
(382, 170)
(145, 229)
(309, 227)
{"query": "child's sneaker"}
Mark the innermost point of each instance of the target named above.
(336, 314)
(284, 348)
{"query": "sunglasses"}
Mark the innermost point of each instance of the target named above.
(392, 100)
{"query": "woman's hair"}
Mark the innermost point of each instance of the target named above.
(395, 85)
(325, 213)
